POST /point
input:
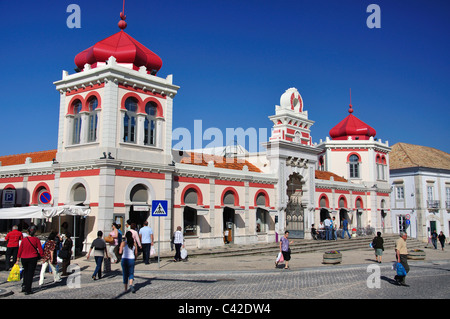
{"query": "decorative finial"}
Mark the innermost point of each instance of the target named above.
(122, 23)
(350, 110)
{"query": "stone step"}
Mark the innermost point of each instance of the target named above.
(299, 246)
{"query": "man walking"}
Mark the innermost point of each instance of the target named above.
(345, 229)
(146, 237)
(13, 238)
(401, 252)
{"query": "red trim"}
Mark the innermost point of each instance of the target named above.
(231, 183)
(119, 205)
(91, 94)
(93, 204)
(339, 191)
(236, 196)
(11, 180)
(134, 95)
(362, 202)
(345, 201)
(36, 178)
(326, 200)
(191, 180)
(199, 194)
(159, 108)
(72, 102)
(349, 149)
(266, 196)
(142, 91)
(259, 185)
(82, 173)
(327, 190)
(86, 89)
(9, 186)
(353, 153)
(382, 194)
(39, 186)
(121, 172)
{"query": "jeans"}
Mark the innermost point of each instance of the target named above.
(327, 232)
(98, 267)
(146, 253)
(346, 231)
(178, 252)
(127, 269)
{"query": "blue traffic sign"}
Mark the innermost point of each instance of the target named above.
(45, 198)
(159, 208)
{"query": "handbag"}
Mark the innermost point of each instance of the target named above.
(280, 257)
(107, 265)
(37, 250)
(64, 254)
(109, 239)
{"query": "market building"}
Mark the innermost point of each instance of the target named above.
(114, 155)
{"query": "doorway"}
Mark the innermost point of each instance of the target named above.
(228, 225)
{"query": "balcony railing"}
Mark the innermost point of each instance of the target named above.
(432, 204)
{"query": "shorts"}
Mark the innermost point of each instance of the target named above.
(379, 252)
(286, 255)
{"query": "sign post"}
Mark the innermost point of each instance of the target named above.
(159, 209)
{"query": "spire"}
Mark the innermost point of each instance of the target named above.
(350, 110)
(122, 24)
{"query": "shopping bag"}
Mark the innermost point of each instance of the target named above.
(400, 270)
(183, 253)
(107, 265)
(14, 274)
(152, 251)
(280, 257)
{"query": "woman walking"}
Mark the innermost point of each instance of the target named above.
(178, 241)
(48, 260)
(66, 253)
(29, 252)
(128, 249)
(285, 250)
(441, 238)
(112, 245)
(378, 245)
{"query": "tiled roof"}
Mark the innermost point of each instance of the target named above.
(219, 161)
(405, 155)
(324, 175)
(36, 157)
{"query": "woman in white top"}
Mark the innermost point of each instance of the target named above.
(178, 241)
(128, 250)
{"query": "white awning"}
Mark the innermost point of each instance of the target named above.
(42, 212)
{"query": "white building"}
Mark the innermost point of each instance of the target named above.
(420, 198)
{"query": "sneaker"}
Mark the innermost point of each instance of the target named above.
(132, 289)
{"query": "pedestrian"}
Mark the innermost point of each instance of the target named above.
(178, 242)
(58, 247)
(128, 249)
(146, 238)
(345, 229)
(401, 254)
(441, 238)
(314, 233)
(327, 223)
(334, 228)
(132, 229)
(66, 253)
(29, 252)
(48, 260)
(12, 248)
(99, 246)
(378, 246)
(112, 245)
(434, 237)
(119, 241)
(285, 250)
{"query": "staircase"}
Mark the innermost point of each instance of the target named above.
(300, 246)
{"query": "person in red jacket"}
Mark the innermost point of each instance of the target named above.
(29, 251)
(13, 238)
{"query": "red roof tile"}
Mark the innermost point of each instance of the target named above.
(36, 157)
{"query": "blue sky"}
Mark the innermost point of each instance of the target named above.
(233, 60)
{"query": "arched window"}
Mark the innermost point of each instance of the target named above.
(150, 124)
(79, 194)
(191, 197)
(321, 164)
(228, 198)
(129, 122)
(354, 166)
(93, 120)
(76, 134)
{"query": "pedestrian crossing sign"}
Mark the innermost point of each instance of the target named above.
(159, 208)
